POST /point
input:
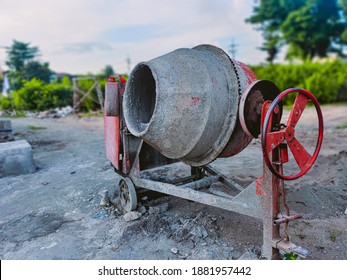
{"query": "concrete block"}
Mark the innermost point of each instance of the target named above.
(5, 130)
(16, 158)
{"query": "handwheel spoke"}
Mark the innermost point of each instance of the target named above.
(273, 139)
(301, 156)
(298, 108)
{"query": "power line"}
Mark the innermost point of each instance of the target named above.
(233, 48)
(128, 61)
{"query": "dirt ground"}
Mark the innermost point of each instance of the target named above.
(55, 213)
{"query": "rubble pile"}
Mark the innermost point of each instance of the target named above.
(52, 113)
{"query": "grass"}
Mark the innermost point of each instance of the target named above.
(90, 114)
(335, 104)
(306, 223)
(19, 134)
(16, 114)
(291, 256)
(333, 235)
(33, 127)
(342, 126)
(289, 107)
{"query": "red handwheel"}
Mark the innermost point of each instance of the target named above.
(286, 134)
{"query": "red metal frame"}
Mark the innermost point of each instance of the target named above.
(112, 121)
(273, 139)
(270, 197)
(266, 190)
(271, 189)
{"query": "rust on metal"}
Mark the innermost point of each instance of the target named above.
(258, 182)
(112, 123)
(184, 106)
(251, 103)
(170, 102)
(271, 139)
(284, 219)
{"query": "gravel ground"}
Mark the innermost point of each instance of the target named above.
(55, 213)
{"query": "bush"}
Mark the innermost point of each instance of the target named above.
(91, 103)
(327, 81)
(60, 94)
(36, 96)
(6, 103)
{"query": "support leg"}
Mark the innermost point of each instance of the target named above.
(270, 193)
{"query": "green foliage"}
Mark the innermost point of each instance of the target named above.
(33, 89)
(66, 81)
(310, 27)
(313, 28)
(23, 66)
(33, 127)
(37, 96)
(35, 69)
(327, 81)
(18, 114)
(333, 234)
(107, 72)
(90, 103)
(90, 114)
(16, 79)
(343, 126)
(291, 256)
(271, 45)
(60, 94)
(19, 54)
(268, 17)
(32, 96)
(6, 103)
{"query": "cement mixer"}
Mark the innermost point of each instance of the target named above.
(194, 106)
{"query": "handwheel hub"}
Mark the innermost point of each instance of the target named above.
(289, 133)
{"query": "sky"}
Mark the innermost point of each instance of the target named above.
(83, 36)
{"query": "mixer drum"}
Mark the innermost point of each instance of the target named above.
(185, 104)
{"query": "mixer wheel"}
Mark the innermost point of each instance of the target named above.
(286, 134)
(127, 194)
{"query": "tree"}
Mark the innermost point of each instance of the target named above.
(314, 29)
(107, 72)
(35, 69)
(271, 45)
(310, 27)
(343, 5)
(268, 17)
(343, 38)
(19, 54)
(23, 66)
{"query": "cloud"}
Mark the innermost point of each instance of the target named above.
(81, 36)
(83, 47)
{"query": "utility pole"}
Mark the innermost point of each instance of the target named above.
(232, 49)
(128, 61)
